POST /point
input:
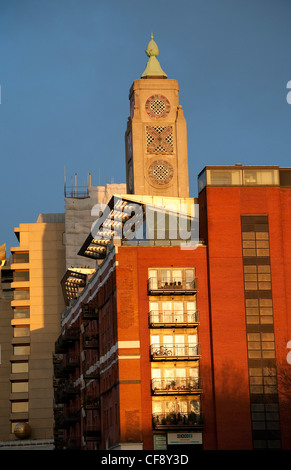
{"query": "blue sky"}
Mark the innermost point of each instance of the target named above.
(66, 67)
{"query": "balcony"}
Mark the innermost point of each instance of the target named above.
(90, 342)
(67, 340)
(174, 352)
(89, 313)
(176, 286)
(92, 375)
(66, 392)
(73, 443)
(91, 403)
(176, 386)
(173, 319)
(177, 421)
(92, 432)
(63, 367)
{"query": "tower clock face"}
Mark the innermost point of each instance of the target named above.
(157, 106)
(160, 172)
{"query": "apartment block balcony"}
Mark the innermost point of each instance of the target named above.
(174, 421)
(73, 443)
(171, 352)
(173, 319)
(176, 386)
(67, 340)
(90, 341)
(66, 392)
(72, 416)
(92, 432)
(92, 374)
(91, 403)
(89, 313)
(164, 286)
(66, 365)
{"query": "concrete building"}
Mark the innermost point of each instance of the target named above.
(5, 341)
(36, 268)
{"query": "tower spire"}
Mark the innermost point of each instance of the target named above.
(153, 68)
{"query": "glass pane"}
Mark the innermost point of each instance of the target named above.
(20, 257)
(21, 295)
(19, 350)
(19, 331)
(21, 313)
(19, 367)
(154, 306)
(19, 387)
(153, 277)
(19, 276)
(155, 339)
(177, 275)
(157, 406)
(19, 406)
(181, 373)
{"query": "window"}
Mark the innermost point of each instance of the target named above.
(17, 387)
(19, 406)
(21, 350)
(21, 294)
(21, 313)
(257, 277)
(259, 311)
(20, 276)
(21, 331)
(20, 257)
(261, 345)
(7, 294)
(255, 244)
(19, 367)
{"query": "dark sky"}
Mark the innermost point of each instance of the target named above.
(66, 67)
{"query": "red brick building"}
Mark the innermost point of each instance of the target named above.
(169, 344)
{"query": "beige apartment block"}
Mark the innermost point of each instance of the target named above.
(38, 264)
(6, 315)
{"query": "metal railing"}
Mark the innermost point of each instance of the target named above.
(170, 317)
(176, 385)
(177, 285)
(180, 420)
(174, 351)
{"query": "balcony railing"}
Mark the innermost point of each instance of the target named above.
(66, 392)
(171, 318)
(67, 365)
(89, 313)
(92, 375)
(170, 352)
(177, 420)
(176, 386)
(91, 403)
(92, 432)
(73, 443)
(67, 419)
(90, 342)
(172, 286)
(66, 340)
